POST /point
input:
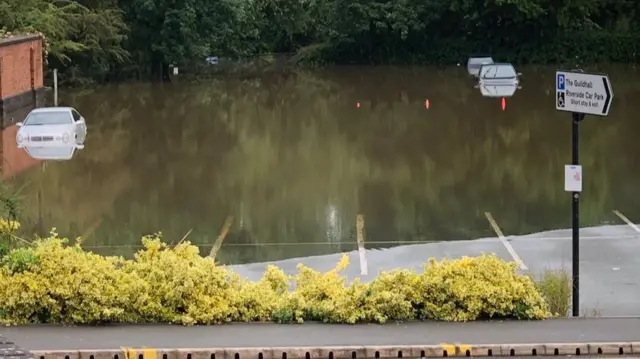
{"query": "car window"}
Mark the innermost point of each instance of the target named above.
(498, 71)
(76, 115)
(480, 61)
(48, 118)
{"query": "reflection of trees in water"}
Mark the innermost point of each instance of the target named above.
(279, 154)
(76, 194)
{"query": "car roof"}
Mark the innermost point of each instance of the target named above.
(52, 109)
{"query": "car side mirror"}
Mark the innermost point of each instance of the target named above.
(19, 124)
(80, 147)
(519, 73)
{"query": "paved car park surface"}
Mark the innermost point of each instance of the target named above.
(609, 262)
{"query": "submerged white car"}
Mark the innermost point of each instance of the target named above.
(51, 124)
(498, 74)
(475, 63)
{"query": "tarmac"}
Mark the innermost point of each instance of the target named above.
(609, 262)
(580, 330)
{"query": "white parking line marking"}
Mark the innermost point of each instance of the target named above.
(360, 237)
(581, 237)
(221, 237)
(626, 220)
(506, 244)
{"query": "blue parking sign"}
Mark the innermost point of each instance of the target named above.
(560, 82)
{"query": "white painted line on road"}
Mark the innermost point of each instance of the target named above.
(582, 237)
(626, 220)
(360, 237)
(506, 244)
(221, 237)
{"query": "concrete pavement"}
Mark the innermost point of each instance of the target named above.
(9, 350)
(581, 330)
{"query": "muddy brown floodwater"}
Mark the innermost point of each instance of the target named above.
(289, 161)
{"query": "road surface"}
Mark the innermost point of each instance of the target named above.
(609, 262)
(48, 337)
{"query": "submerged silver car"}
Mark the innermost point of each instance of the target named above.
(51, 124)
(498, 74)
(475, 63)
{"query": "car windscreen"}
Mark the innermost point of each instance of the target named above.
(48, 118)
(497, 72)
(480, 60)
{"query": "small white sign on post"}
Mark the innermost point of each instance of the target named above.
(175, 70)
(573, 178)
(583, 93)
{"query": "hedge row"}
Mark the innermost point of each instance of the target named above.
(52, 281)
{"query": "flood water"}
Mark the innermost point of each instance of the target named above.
(290, 161)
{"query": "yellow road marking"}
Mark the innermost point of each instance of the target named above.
(449, 348)
(463, 349)
(626, 220)
(506, 244)
(360, 238)
(129, 353)
(457, 349)
(221, 237)
(149, 353)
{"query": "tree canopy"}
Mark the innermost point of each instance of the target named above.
(104, 39)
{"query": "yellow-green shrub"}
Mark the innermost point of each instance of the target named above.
(65, 284)
(555, 287)
(472, 288)
(393, 295)
(8, 226)
(7, 235)
(179, 286)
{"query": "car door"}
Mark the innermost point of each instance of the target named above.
(80, 126)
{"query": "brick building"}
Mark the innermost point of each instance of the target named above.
(14, 160)
(21, 89)
(21, 76)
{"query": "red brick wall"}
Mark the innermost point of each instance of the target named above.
(16, 68)
(15, 160)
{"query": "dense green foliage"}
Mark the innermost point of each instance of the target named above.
(105, 38)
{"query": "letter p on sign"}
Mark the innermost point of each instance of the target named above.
(560, 82)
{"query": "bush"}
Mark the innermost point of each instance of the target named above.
(7, 236)
(555, 287)
(54, 282)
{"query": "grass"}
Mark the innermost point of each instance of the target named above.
(555, 286)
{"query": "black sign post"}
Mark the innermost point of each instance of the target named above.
(575, 209)
(580, 94)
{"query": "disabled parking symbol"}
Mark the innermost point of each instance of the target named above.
(561, 99)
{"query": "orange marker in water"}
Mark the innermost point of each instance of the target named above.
(504, 103)
(427, 104)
